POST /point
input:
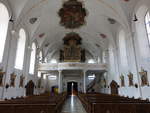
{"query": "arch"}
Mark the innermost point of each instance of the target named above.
(20, 49)
(32, 59)
(147, 23)
(4, 21)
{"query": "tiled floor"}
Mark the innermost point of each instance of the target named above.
(73, 105)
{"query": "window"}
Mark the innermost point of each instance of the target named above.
(91, 61)
(39, 74)
(122, 48)
(40, 57)
(91, 77)
(45, 60)
(4, 20)
(53, 61)
(20, 50)
(52, 77)
(32, 59)
(147, 22)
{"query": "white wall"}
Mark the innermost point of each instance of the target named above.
(8, 65)
(138, 55)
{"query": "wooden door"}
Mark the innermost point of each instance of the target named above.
(30, 88)
(114, 87)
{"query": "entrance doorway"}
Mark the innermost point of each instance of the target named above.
(30, 88)
(72, 88)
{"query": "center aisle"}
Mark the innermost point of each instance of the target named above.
(73, 105)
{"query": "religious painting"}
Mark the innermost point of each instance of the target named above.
(122, 81)
(1, 77)
(130, 76)
(12, 79)
(21, 81)
(144, 79)
(72, 14)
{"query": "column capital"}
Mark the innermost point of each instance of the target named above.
(85, 70)
(60, 71)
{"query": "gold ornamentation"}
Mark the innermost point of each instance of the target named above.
(122, 80)
(12, 79)
(130, 76)
(144, 79)
(72, 14)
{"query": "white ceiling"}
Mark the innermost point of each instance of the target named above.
(48, 22)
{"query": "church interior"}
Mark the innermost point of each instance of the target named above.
(75, 56)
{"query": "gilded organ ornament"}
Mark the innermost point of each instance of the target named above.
(72, 14)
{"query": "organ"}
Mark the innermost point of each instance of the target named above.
(72, 51)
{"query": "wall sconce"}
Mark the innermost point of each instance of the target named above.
(135, 18)
(7, 86)
(136, 85)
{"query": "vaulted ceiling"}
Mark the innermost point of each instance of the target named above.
(96, 34)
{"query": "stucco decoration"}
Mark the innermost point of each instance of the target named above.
(72, 14)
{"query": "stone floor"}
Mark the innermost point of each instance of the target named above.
(73, 105)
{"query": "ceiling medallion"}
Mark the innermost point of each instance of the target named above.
(33, 20)
(72, 14)
(111, 21)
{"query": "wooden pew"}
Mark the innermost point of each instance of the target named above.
(35, 104)
(104, 103)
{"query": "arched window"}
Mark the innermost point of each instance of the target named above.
(20, 49)
(147, 23)
(4, 20)
(32, 59)
(40, 57)
(122, 48)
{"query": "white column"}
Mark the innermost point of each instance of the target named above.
(60, 81)
(84, 81)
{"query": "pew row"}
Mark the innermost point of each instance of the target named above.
(34, 104)
(104, 103)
